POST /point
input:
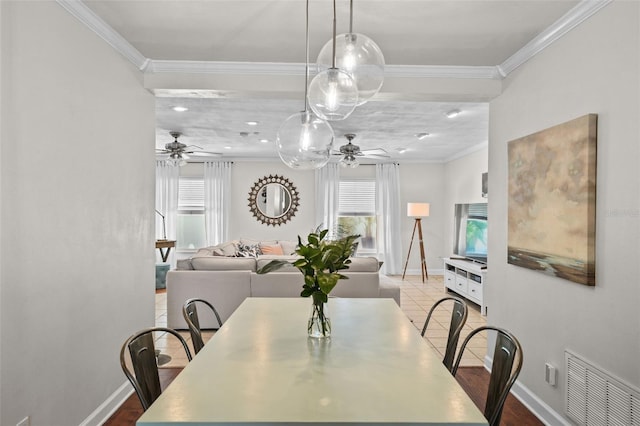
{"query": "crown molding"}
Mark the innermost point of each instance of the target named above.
(573, 18)
(442, 71)
(580, 13)
(211, 67)
(85, 15)
(273, 68)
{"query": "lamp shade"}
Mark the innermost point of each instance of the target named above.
(417, 209)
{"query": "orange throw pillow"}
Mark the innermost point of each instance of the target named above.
(271, 249)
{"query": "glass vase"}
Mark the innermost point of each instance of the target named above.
(319, 325)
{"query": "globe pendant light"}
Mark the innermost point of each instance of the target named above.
(304, 140)
(333, 93)
(359, 56)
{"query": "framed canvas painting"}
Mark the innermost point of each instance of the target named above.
(552, 200)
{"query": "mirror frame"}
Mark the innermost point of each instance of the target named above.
(287, 215)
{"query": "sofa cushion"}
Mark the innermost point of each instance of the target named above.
(184, 265)
(221, 263)
(264, 259)
(363, 264)
(271, 249)
(288, 247)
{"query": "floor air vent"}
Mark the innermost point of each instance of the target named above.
(596, 398)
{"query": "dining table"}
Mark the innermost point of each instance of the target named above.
(261, 368)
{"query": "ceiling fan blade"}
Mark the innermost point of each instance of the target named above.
(192, 146)
(374, 151)
(205, 154)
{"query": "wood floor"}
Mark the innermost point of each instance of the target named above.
(474, 380)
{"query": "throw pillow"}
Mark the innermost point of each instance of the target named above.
(288, 247)
(275, 249)
(228, 248)
(248, 250)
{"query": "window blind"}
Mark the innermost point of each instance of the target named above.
(478, 210)
(357, 198)
(191, 194)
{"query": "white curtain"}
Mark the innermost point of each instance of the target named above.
(327, 189)
(167, 203)
(389, 214)
(217, 191)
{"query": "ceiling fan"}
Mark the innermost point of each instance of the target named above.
(350, 152)
(179, 153)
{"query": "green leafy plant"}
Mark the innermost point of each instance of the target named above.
(320, 262)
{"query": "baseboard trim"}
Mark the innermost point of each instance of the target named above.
(539, 408)
(429, 271)
(109, 406)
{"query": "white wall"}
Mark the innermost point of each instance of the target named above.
(423, 183)
(77, 178)
(242, 223)
(463, 184)
(593, 69)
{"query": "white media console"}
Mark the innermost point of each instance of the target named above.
(467, 278)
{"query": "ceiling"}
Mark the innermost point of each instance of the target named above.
(413, 34)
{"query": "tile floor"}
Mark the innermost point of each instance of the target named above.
(416, 298)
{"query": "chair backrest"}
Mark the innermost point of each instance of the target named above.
(507, 363)
(190, 314)
(458, 318)
(144, 377)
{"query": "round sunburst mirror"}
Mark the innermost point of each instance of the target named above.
(273, 200)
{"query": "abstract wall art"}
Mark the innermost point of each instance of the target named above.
(552, 200)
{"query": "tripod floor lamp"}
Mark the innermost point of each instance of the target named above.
(417, 211)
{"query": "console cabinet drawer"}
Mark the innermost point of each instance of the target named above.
(474, 291)
(461, 284)
(449, 279)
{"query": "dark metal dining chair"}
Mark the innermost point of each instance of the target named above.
(506, 366)
(459, 314)
(190, 314)
(145, 378)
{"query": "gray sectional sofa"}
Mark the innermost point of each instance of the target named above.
(226, 280)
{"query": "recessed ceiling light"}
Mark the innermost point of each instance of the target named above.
(180, 109)
(264, 140)
(422, 135)
(252, 123)
(227, 147)
(452, 113)
(402, 150)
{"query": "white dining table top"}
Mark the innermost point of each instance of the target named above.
(260, 368)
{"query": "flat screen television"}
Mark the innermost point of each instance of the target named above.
(470, 231)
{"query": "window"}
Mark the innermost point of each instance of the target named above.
(191, 233)
(357, 211)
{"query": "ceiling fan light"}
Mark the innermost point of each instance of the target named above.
(304, 141)
(360, 57)
(349, 160)
(333, 94)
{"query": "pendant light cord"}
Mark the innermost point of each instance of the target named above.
(306, 63)
(333, 58)
(350, 16)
